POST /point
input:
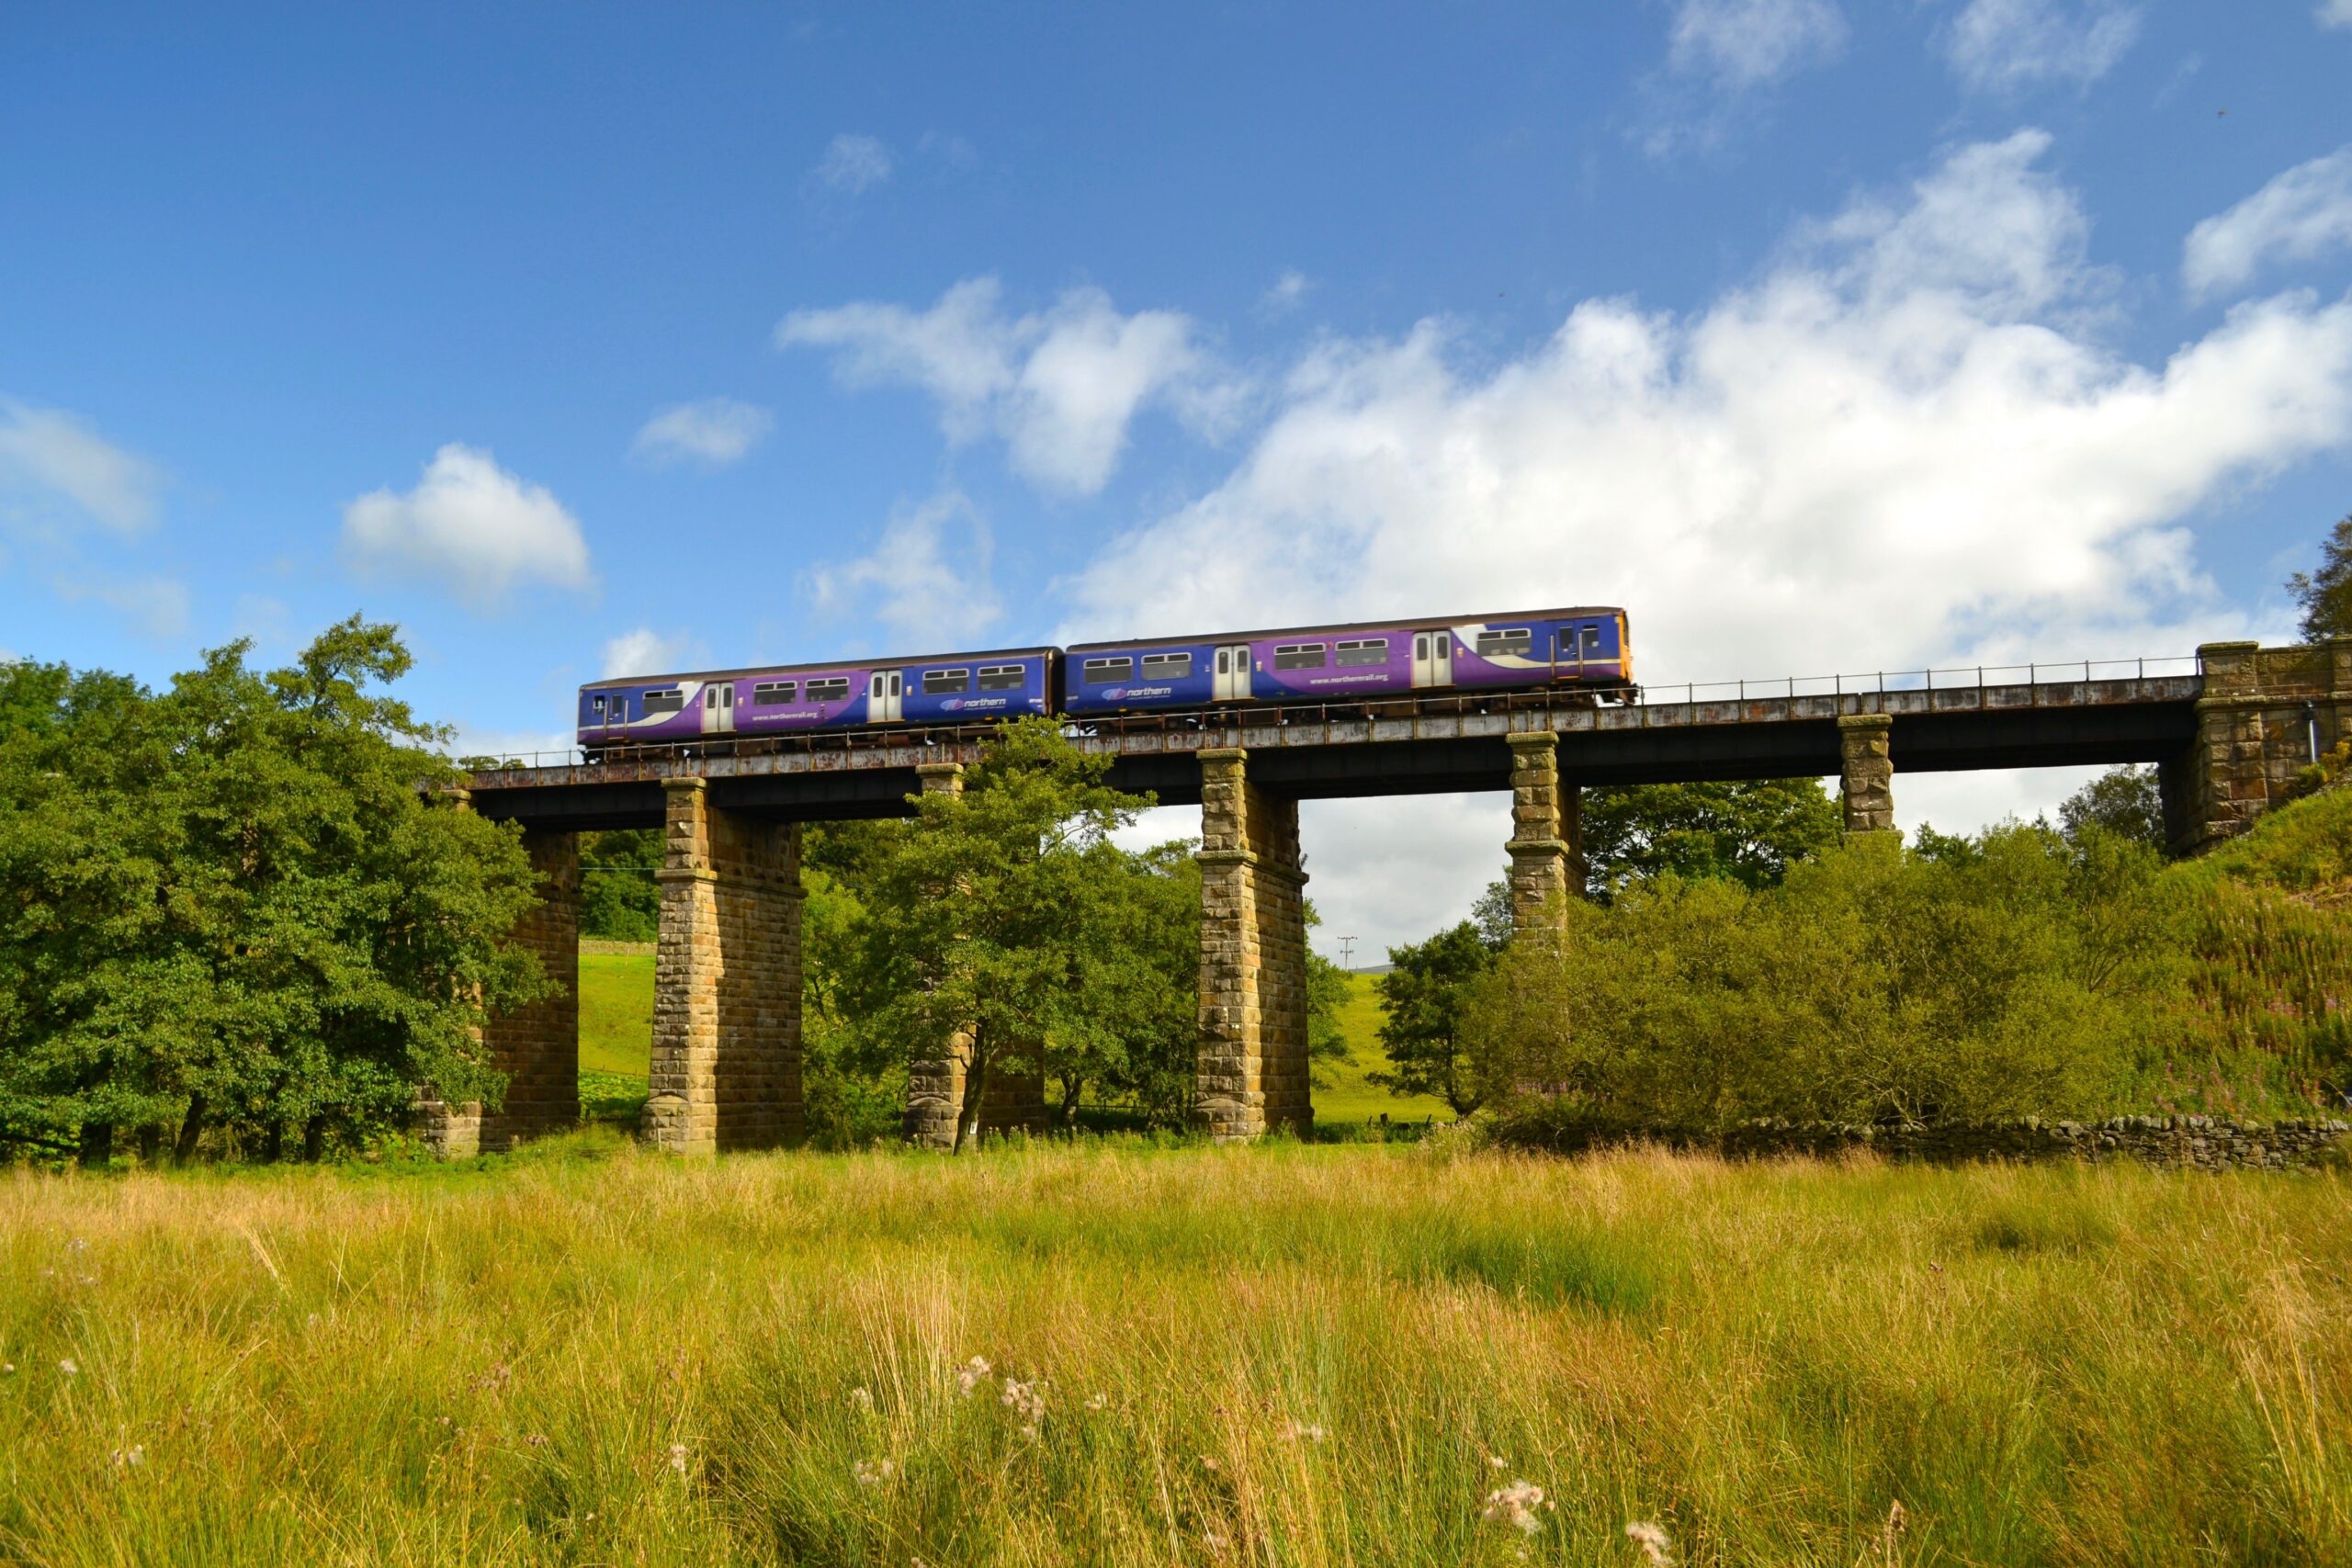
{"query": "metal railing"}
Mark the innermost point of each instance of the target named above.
(2133, 673)
(2136, 672)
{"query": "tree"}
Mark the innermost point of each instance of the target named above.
(2325, 596)
(2122, 801)
(1746, 831)
(620, 899)
(246, 900)
(1425, 993)
(1001, 928)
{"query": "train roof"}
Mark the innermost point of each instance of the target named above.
(1399, 623)
(826, 667)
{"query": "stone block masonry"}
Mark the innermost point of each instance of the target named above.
(538, 1047)
(1253, 1070)
(1548, 865)
(1867, 769)
(2266, 715)
(1011, 1101)
(726, 1071)
(2178, 1143)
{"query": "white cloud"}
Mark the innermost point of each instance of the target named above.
(1285, 296)
(2005, 45)
(470, 526)
(2300, 215)
(1747, 43)
(52, 451)
(1901, 444)
(2335, 13)
(927, 578)
(854, 163)
(1060, 387)
(648, 652)
(157, 607)
(714, 433)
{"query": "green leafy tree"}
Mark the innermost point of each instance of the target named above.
(1425, 993)
(245, 901)
(619, 898)
(2325, 596)
(997, 929)
(2122, 801)
(1746, 831)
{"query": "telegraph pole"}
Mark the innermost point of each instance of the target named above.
(1347, 953)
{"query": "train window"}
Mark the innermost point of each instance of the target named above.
(671, 700)
(597, 703)
(830, 689)
(1103, 671)
(939, 683)
(1002, 677)
(774, 694)
(1506, 641)
(1591, 641)
(1299, 656)
(1167, 666)
(1364, 650)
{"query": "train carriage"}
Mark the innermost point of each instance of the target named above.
(1584, 649)
(788, 699)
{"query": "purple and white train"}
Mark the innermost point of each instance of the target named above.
(1585, 650)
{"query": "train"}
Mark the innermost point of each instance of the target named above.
(1585, 651)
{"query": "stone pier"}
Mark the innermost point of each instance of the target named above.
(2267, 716)
(1546, 846)
(726, 980)
(538, 1047)
(1252, 1065)
(935, 1084)
(1868, 771)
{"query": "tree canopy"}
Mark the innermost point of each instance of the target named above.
(1747, 831)
(249, 902)
(2325, 596)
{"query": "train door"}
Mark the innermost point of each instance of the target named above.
(1233, 685)
(886, 697)
(719, 708)
(1433, 658)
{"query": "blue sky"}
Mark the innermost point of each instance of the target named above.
(1822, 336)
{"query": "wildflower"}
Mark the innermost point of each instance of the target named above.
(1515, 1505)
(538, 1439)
(1208, 1463)
(1096, 1401)
(1656, 1550)
(1027, 1400)
(69, 1367)
(8, 1368)
(77, 1245)
(873, 1471)
(1213, 1541)
(124, 1459)
(860, 1399)
(1497, 1462)
(678, 1457)
(974, 1370)
(1294, 1431)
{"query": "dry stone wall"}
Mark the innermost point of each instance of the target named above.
(2191, 1143)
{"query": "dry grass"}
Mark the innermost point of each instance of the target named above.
(1299, 1355)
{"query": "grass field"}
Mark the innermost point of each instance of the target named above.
(616, 1041)
(1288, 1354)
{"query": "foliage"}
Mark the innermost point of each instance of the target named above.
(2325, 596)
(2122, 801)
(2024, 977)
(1053, 954)
(586, 1353)
(235, 903)
(1425, 993)
(620, 899)
(1746, 832)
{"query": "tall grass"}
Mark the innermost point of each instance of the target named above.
(1297, 1355)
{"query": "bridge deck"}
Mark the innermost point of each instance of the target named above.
(1402, 747)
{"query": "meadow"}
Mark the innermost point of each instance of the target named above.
(1126, 1352)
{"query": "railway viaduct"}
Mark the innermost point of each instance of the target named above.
(2228, 736)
